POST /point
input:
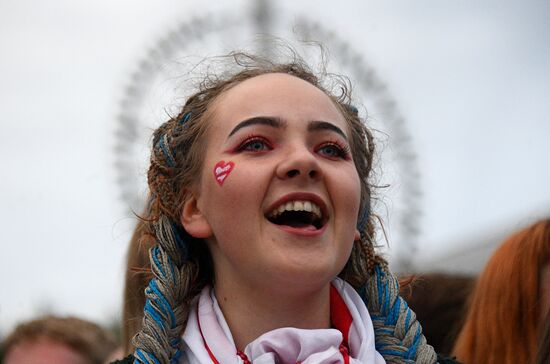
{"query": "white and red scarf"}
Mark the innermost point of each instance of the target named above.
(207, 338)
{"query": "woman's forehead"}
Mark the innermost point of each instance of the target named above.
(278, 95)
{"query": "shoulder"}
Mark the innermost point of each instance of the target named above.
(446, 360)
(128, 360)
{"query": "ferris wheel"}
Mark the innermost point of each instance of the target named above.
(157, 89)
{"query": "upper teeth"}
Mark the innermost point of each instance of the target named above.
(298, 206)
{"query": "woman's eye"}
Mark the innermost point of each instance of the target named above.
(332, 151)
(255, 145)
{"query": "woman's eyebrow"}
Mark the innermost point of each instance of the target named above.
(323, 125)
(258, 120)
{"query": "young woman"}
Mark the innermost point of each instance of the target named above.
(260, 211)
(510, 300)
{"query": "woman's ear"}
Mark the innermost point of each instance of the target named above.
(193, 220)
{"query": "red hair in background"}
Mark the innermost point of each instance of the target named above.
(504, 314)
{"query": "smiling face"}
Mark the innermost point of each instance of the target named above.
(279, 193)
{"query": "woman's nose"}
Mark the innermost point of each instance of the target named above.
(300, 162)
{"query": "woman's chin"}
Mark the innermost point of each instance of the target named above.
(308, 276)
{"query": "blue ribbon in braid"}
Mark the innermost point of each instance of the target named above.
(184, 119)
(159, 312)
(386, 317)
(176, 358)
(144, 357)
(162, 144)
(157, 307)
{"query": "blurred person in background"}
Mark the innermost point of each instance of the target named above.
(440, 303)
(59, 340)
(509, 302)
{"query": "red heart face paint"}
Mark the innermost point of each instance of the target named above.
(222, 170)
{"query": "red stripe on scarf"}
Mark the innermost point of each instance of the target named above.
(339, 314)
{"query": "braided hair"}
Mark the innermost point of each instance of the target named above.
(182, 265)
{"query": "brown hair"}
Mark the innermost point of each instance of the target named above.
(138, 275)
(501, 325)
(86, 338)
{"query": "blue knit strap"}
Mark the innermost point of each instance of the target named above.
(398, 334)
(177, 246)
(155, 296)
(156, 260)
(155, 252)
(153, 313)
(177, 355)
(141, 357)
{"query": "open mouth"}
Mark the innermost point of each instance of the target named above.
(298, 214)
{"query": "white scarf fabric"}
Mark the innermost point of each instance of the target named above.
(207, 338)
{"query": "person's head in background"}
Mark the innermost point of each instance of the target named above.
(59, 340)
(440, 302)
(510, 300)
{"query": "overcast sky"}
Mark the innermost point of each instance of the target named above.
(471, 80)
